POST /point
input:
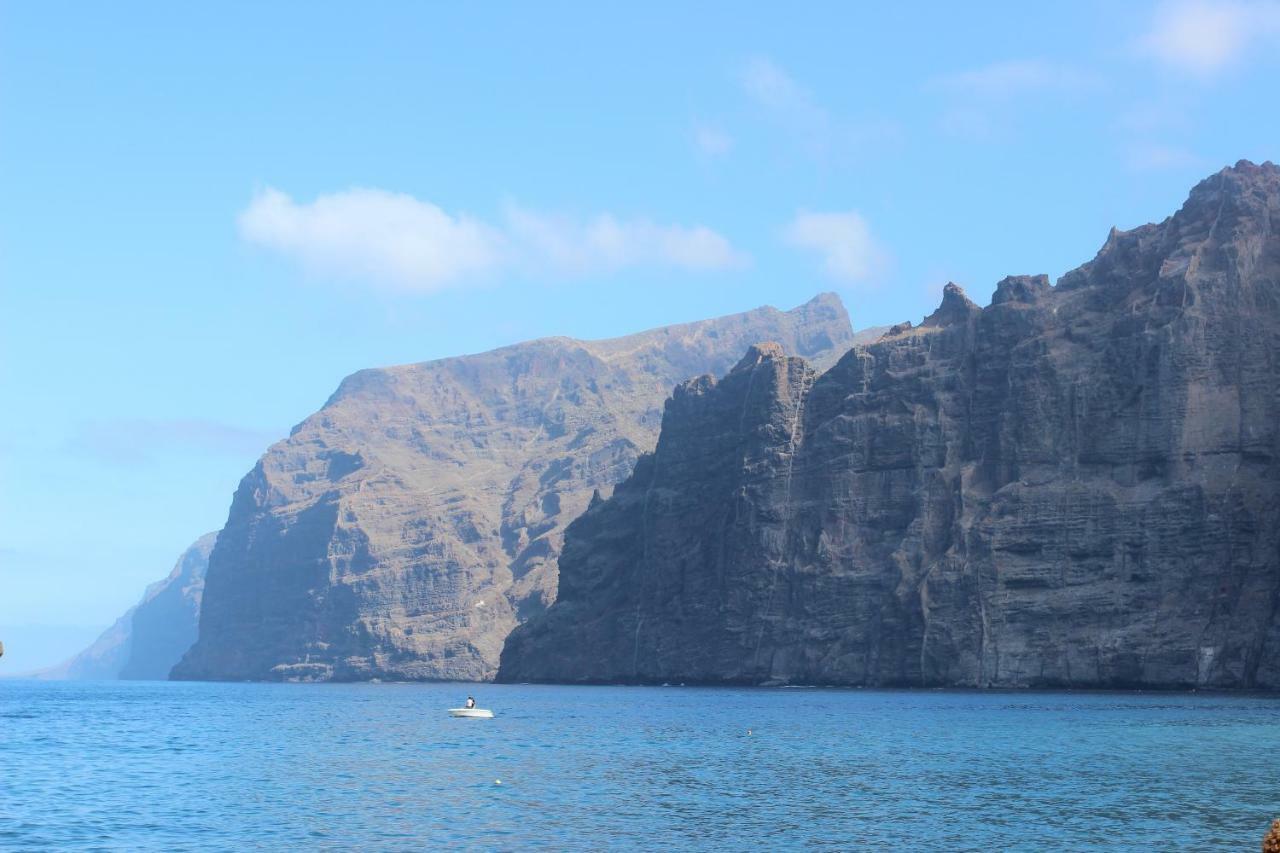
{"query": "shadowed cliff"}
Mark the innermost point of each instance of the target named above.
(1074, 486)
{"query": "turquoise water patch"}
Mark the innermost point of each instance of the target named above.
(222, 766)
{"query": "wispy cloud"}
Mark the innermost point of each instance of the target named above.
(777, 91)
(981, 103)
(1203, 38)
(1155, 157)
(968, 122)
(135, 441)
(711, 140)
(607, 243)
(397, 241)
(794, 108)
(843, 241)
(1014, 78)
(1155, 117)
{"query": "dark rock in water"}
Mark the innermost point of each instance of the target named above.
(404, 529)
(1076, 486)
(152, 635)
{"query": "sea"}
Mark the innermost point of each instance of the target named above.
(182, 766)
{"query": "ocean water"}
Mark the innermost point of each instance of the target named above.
(381, 766)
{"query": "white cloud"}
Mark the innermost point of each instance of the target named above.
(712, 140)
(607, 243)
(374, 235)
(396, 240)
(1203, 37)
(843, 240)
(1016, 77)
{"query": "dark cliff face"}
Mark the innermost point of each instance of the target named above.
(1075, 486)
(405, 528)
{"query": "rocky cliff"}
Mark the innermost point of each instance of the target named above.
(403, 530)
(166, 623)
(1076, 485)
(152, 635)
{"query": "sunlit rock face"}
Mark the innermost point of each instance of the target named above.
(403, 530)
(1076, 485)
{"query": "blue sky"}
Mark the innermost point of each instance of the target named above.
(215, 212)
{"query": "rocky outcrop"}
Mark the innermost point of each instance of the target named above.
(152, 635)
(403, 530)
(1076, 486)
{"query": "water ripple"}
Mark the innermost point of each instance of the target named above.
(235, 766)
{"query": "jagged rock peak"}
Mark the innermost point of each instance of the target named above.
(956, 307)
(826, 304)
(898, 328)
(758, 353)
(1021, 288)
(1235, 191)
(1244, 178)
(1249, 170)
(1233, 202)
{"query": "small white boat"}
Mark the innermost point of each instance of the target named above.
(479, 713)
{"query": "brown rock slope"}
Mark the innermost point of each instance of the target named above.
(404, 529)
(1075, 486)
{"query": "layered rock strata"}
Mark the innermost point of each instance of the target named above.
(403, 530)
(1075, 486)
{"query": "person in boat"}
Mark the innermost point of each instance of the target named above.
(471, 702)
